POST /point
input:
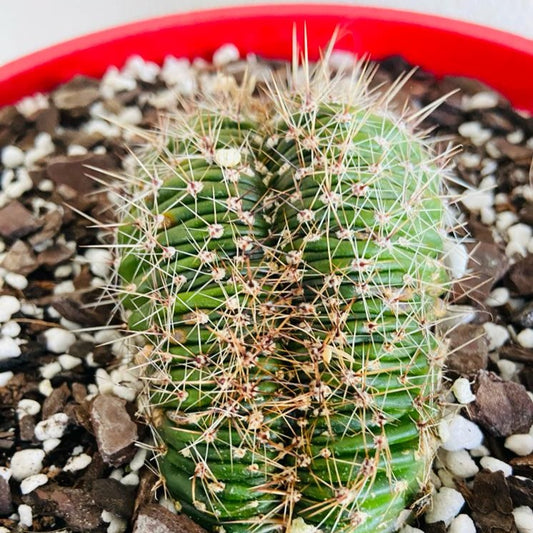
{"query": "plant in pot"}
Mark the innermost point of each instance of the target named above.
(282, 258)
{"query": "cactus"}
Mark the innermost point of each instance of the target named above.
(281, 256)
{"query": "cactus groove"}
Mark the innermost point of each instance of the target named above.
(281, 256)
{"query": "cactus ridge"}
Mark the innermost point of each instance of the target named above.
(282, 256)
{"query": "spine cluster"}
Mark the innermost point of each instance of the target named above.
(281, 256)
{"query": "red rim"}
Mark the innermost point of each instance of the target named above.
(441, 45)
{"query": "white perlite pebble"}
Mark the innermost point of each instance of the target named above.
(117, 525)
(52, 428)
(462, 433)
(131, 479)
(51, 444)
(445, 506)
(17, 281)
(462, 391)
(499, 296)
(495, 465)
(138, 460)
(481, 100)
(25, 515)
(462, 523)
(9, 305)
(5, 378)
(505, 219)
(79, 462)
(50, 370)
(477, 200)
(455, 258)
(227, 53)
(410, 529)
(5, 473)
(507, 369)
(100, 261)
(45, 387)
(59, 340)
(28, 407)
(68, 362)
(497, 335)
(523, 517)
(12, 156)
(9, 348)
(32, 482)
(520, 233)
(461, 464)
(521, 444)
(11, 329)
(26, 463)
(525, 338)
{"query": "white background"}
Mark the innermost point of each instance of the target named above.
(28, 25)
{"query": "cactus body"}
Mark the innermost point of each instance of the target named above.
(284, 266)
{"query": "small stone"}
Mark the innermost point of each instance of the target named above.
(496, 334)
(502, 408)
(462, 391)
(138, 460)
(521, 489)
(6, 501)
(481, 100)
(462, 524)
(5, 378)
(79, 462)
(226, 54)
(525, 338)
(16, 221)
(9, 305)
(68, 362)
(26, 463)
(157, 519)
(12, 156)
(455, 258)
(53, 427)
(498, 297)
(462, 434)
(11, 329)
(20, 259)
(523, 517)
(28, 407)
(25, 515)
(445, 506)
(131, 479)
(521, 444)
(50, 370)
(59, 340)
(17, 281)
(45, 387)
(30, 483)
(521, 276)
(468, 350)
(507, 369)
(51, 444)
(495, 465)
(9, 348)
(461, 464)
(114, 497)
(114, 430)
(100, 261)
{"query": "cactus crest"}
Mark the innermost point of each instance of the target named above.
(280, 253)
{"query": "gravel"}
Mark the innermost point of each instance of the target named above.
(66, 382)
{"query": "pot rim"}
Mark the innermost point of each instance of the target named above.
(441, 45)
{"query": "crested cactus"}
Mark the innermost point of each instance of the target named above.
(281, 256)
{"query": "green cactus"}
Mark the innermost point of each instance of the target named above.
(282, 257)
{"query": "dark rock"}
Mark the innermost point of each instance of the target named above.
(79, 392)
(521, 276)
(6, 504)
(75, 97)
(468, 351)
(524, 317)
(486, 264)
(75, 506)
(522, 466)
(521, 155)
(51, 224)
(113, 496)
(16, 221)
(145, 490)
(521, 491)
(114, 430)
(491, 503)
(20, 259)
(435, 527)
(47, 120)
(12, 124)
(501, 407)
(56, 254)
(526, 214)
(156, 519)
(74, 171)
(72, 309)
(479, 231)
(55, 403)
(27, 428)
(516, 353)
(496, 121)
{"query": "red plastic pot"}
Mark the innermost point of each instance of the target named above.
(443, 46)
